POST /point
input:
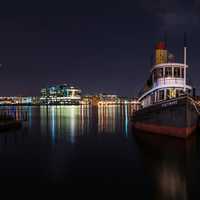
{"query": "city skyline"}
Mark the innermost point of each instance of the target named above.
(98, 47)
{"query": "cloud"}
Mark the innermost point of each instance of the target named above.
(173, 20)
(157, 7)
(174, 13)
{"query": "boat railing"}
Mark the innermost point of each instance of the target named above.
(170, 81)
(181, 97)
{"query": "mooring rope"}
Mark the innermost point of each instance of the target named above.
(195, 106)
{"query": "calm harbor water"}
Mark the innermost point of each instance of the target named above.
(79, 144)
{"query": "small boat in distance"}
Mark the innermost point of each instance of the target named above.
(167, 103)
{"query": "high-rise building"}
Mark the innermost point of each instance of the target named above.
(60, 94)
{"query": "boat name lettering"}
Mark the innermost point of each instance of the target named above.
(169, 103)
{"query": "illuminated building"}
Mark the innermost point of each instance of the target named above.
(109, 99)
(87, 100)
(60, 94)
(35, 100)
(16, 100)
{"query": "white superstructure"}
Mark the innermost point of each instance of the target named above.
(167, 80)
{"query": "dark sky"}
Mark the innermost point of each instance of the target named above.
(100, 46)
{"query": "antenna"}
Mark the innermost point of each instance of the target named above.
(185, 59)
(185, 48)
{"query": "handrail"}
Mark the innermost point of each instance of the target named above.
(168, 65)
(162, 87)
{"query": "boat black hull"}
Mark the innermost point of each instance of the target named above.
(176, 117)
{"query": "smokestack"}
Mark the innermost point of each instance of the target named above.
(160, 53)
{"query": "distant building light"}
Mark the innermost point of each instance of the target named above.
(60, 94)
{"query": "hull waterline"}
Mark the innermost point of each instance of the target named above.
(176, 117)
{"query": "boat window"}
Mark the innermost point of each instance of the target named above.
(171, 93)
(181, 92)
(152, 98)
(159, 72)
(182, 73)
(178, 93)
(177, 72)
(168, 72)
(161, 95)
(188, 91)
(168, 94)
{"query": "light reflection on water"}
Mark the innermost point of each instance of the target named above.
(170, 163)
(72, 121)
(65, 122)
(106, 147)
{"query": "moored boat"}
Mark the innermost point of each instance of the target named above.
(167, 104)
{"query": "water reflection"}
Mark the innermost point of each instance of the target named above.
(168, 161)
(98, 142)
(71, 121)
(53, 128)
(126, 120)
(114, 119)
(22, 113)
(107, 119)
(64, 122)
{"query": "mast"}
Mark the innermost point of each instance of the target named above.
(166, 42)
(185, 61)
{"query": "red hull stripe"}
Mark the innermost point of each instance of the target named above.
(165, 130)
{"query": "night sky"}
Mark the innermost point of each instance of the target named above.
(99, 46)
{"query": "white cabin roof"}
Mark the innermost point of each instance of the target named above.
(169, 65)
